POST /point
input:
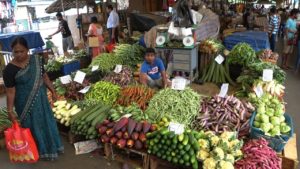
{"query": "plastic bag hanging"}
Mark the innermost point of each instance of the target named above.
(182, 16)
(20, 144)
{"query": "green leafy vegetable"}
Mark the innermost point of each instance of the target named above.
(242, 54)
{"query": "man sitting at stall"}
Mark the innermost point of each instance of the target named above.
(153, 71)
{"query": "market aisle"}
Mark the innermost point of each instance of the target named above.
(292, 99)
(66, 161)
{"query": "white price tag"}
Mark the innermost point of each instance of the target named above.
(94, 68)
(173, 30)
(65, 79)
(178, 84)
(118, 69)
(186, 31)
(259, 91)
(267, 75)
(224, 90)
(79, 77)
(176, 128)
(84, 90)
(219, 59)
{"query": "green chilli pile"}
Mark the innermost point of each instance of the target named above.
(178, 106)
(104, 92)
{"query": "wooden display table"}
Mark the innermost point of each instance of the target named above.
(137, 159)
(289, 154)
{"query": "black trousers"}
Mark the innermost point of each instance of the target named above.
(116, 35)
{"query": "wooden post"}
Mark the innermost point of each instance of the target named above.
(63, 8)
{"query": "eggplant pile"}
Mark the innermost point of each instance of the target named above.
(224, 114)
(125, 133)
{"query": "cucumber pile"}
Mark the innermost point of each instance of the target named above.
(178, 149)
(84, 122)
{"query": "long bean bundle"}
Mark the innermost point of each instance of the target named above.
(178, 106)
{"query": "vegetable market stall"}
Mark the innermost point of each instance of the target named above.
(182, 128)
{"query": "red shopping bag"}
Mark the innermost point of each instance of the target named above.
(111, 46)
(20, 144)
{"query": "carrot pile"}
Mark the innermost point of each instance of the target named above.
(136, 94)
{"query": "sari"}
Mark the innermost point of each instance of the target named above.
(34, 110)
(97, 32)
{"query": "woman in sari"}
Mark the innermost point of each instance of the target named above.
(26, 82)
(96, 30)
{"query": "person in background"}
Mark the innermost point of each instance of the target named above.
(291, 30)
(112, 24)
(63, 27)
(26, 89)
(153, 71)
(251, 19)
(263, 10)
(283, 19)
(274, 22)
(298, 52)
(96, 30)
(245, 18)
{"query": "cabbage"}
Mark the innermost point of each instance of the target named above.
(256, 124)
(257, 117)
(281, 119)
(284, 128)
(275, 120)
(270, 112)
(261, 109)
(265, 127)
(264, 118)
(275, 131)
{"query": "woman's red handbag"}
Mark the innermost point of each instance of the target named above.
(111, 46)
(20, 144)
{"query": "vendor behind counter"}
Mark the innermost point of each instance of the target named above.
(153, 72)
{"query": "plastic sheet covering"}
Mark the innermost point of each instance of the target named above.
(141, 23)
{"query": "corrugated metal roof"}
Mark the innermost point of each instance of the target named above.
(67, 4)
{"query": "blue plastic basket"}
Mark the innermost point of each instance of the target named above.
(277, 143)
(70, 67)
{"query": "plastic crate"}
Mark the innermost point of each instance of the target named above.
(70, 67)
(277, 143)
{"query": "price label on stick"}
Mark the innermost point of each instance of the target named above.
(178, 84)
(219, 59)
(267, 75)
(259, 91)
(224, 90)
(84, 90)
(79, 77)
(176, 128)
(118, 69)
(94, 68)
(65, 79)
